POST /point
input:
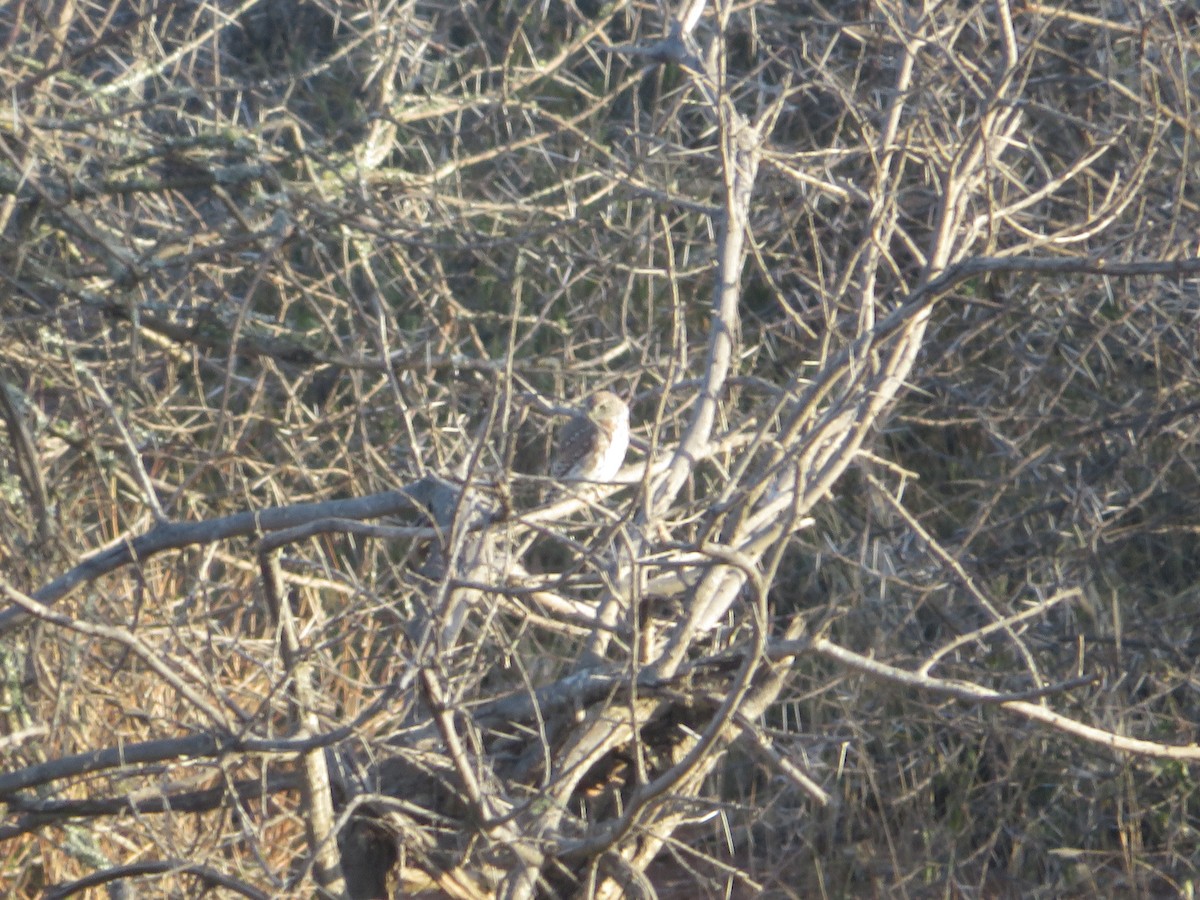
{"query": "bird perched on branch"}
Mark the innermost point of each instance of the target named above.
(592, 445)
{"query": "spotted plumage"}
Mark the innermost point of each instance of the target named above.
(591, 446)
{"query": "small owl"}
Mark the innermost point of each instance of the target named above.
(592, 445)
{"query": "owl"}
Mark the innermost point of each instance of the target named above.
(592, 445)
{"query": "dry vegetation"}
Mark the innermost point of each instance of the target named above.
(898, 595)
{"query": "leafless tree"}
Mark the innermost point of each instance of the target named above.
(900, 569)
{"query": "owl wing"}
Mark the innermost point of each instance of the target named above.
(576, 441)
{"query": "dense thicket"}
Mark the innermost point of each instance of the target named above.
(896, 594)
